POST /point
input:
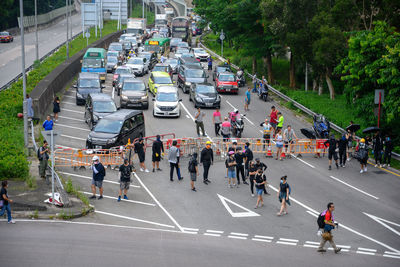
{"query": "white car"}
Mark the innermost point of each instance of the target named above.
(166, 102)
(138, 66)
(201, 54)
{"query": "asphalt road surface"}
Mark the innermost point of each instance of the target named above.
(220, 224)
(10, 53)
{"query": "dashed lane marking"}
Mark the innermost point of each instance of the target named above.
(90, 178)
(69, 96)
(367, 249)
(215, 231)
(261, 240)
(73, 137)
(69, 103)
(239, 234)
(210, 234)
(72, 127)
(236, 237)
(76, 111)
(69, 118)
(365, 253)
(288, 240)
(264, 237)
(124, 200)
(286, 243)
(353, 187)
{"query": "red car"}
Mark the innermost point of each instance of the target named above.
(6, 37)
(226, 82)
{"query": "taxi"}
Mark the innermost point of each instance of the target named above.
(6, 37)
(157, 79)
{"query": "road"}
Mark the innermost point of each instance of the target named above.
(10, 53)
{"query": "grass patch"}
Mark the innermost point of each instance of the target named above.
(137, 12)
(13, 156)
(75, 190)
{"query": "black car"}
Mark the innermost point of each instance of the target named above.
(188, 76)
(117, 129)
(204, 95)
(219, 69)
(88, 83)
(98, 106)
(120, 81)
(151, 57)
(112, 64)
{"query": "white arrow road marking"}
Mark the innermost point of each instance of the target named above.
(381, 221)
(247, 213)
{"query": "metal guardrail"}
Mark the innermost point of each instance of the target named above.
(16, 78)
(29, 21)
(285, 97)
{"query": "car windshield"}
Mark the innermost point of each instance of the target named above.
(115, 47)
(108, 126)
(183, 44)
(226, 78)
(122, 71)
(182, 50)
(162, 80)
(134, 86)
(195, 74)
(132, 40)
(128, 45)
(199, 50)
(135, 61)
(87, 83)
(174, 42)
(112, 54)
(160, 68)
(104, 106)
(154, 48)
(172, 61)
(122, 78)
(222, 69)
(112, 60)
(167, 97)
(4, 33)
(92, 63)
(187, 55)
(205, 88)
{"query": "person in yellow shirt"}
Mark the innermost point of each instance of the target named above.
(281, 119)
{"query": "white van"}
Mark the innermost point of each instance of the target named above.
(166, 102)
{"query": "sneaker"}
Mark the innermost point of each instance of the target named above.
(343, 166)
(388, 165)
(205, 181)
(338, 250)
(93, 197)
(234, 184)
(171, 180)
(245, 182)
(337, 166)
(194, 190)
(252, 195)
(348, 159)
(141, 169)
(256, 207)
(119, 199)
(321, 250)
(12, 221)
(208, 181)
(154, 170)
(146, 170)
(125, 197)
(100, 197)
(330, 167)
(180, 179)
(158, 169)
(380, 165)
(365, 169)
(376, 165)
(361, 171)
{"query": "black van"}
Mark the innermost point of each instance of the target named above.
(188, 76)
(116, 129)
(98, 106)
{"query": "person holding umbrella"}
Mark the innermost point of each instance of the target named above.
(378, 147)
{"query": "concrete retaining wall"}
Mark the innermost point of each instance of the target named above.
(55, 82)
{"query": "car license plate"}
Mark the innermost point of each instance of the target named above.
(228, 89)
(209, 104)
(98, 147)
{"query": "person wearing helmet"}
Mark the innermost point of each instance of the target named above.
(230, 164)
(362, 155)
(207, 159)
(233, 115)
(98, 176)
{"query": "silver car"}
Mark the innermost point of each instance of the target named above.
(138, 65)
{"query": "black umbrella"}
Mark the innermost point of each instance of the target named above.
(309, 133)
(373, 129)
(353, 128)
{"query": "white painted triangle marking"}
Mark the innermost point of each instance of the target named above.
(247, 213)
(384, 222)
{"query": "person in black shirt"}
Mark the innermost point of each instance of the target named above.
(158, 150)
(283, 195)
(207, 159)
(388, 151)
(239, 156)
(332, 151)
(139, 150)
(249, 157)
(260, 182)
(378, 147)
(343, 143)
(264, 167)
(252, 174)
(6, 202)
(125, 171)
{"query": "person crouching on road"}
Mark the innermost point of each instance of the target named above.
(125, 171)
(260, 182)
(98, 176)
(173, 159)
(283, 195)
(6, 202)
(158, 151)
(207, 159)
(230, 165)
(329, 226)
(193, 170)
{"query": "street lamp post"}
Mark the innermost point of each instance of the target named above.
(36, 33)
(143, 9)
(21, 14)
(66, 17)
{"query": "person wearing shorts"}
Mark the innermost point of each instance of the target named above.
(281, 119)
(231, 166)
(98, 176)
(247, 100)
(332, 143)
(139, 150)
(259, 181)
(125, 171)
(289, 136)
(193, 170)
(279, 144)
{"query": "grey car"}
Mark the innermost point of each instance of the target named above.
(134, 94)
(112, 64)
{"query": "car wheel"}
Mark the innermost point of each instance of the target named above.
(146, 106)
(190, 98)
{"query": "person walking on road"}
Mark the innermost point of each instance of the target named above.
(56, 108)
(273, 118)
(281, 120)
(198, 119)
(260, 182)
(193, 170)
(343, 144)
(209, 63)
(240, 157)
(226, 129)
(327, 232)
(48, 124)
(258, 164)
(388, 151)
(254, 83)
(289, 137)
(252, 174)
(247, 100)
(207, 159)
(157, 152)
(283, 195)
(29, 106)
(332, 151)
(266, 133)
(125, 171)
(43, 156)
(173, 159)
(217, 120)
(6, 201)
(378, 147)
(98, 176)
(230, 164)
(279, 144)
(248, 157)
(362, 155)
(139, 150)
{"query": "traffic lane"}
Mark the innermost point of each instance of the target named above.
(151, 248)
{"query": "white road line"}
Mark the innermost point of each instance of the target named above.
(73, 137)
(134, 219)
(158, 203)
(215, 231)
(243, 116)
(190, 115)
(391, 256)
(90, 178)
(72, 127)
(286, 243)
(190, 229)
(263, 236)
(392, 253)
(246, 213)
(70, 110)
(367, 249)
(343, 246)
(288, 240)
(209, 234)
(239, 234)
(365, 253)
(308, 164)
(355, 188)
(312, 242)
(187, 116)
(381, 222)
(125, 200)
(69, 118)
(191, 233)
(310, 246)
(261, 240)
(343, 250)
(236, 237)
(315, 213)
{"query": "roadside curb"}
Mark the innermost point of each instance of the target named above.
(56, 216)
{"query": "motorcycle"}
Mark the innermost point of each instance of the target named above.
(240, 78)
(263, 93)
(237, 126)
(321, 126)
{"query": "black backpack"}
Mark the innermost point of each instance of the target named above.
(192, 166)
(40, 157)
(226, 163)
(321, 221)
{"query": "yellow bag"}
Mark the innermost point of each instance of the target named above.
(327, 236)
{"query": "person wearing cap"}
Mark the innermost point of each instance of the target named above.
(362, 155)
(193, 170)
(207, 159)
(239, 157)
(173, 159)
(230, 164)
(98, 176)
(266, 132)
(139, 150)
(333, 144)
(157, 151)
(226, 129)
(125, 171)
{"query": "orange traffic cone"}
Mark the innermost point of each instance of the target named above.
(283, 155)
(269, 152)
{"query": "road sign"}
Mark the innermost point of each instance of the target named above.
(47, 136)
(376, 99)
(87, 34)
(222, 36)
(245, 213)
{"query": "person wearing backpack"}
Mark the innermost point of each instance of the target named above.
(283, 195)
(193, 170)
(327, 224)
(125, 171)
(230, 164)
(43, 156)
(362, 155)
(99, 172)
(260, 182)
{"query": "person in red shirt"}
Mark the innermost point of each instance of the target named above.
(329, 226)
(273, 118)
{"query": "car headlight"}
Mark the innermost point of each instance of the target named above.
(124, 97)
(95, 118)
(188, 83)
(158, 106)
(144, 97)
(235, 86)
(112, 140)
(198, 99)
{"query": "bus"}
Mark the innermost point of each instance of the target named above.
(180, 29)
(159, 45)
(94, 60)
